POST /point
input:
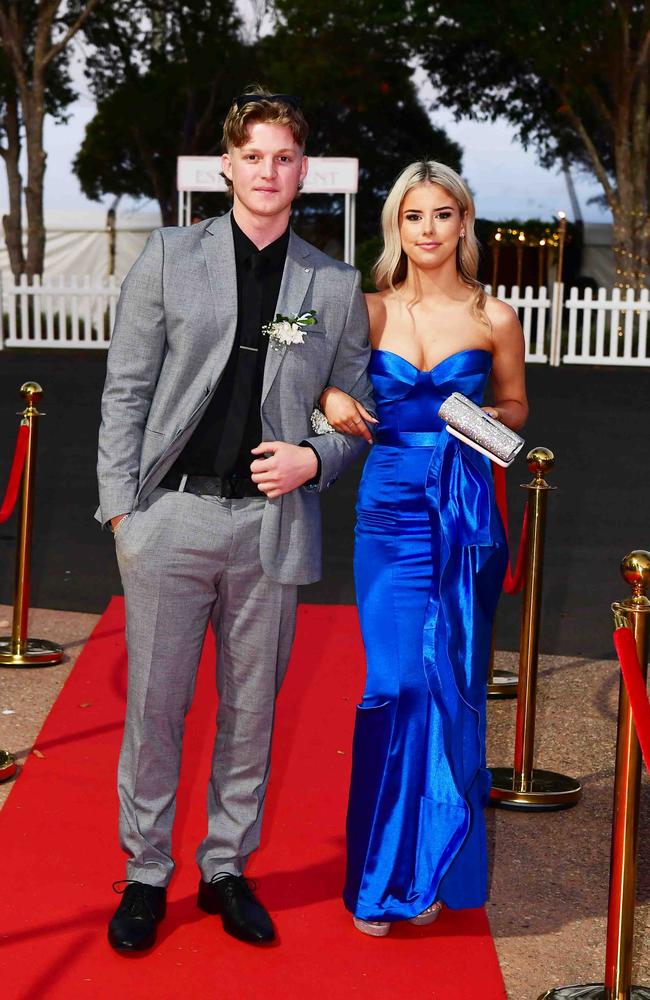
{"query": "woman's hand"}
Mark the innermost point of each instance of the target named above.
(492, 412)
(346, 414)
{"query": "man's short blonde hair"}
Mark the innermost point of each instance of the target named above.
(270, 110)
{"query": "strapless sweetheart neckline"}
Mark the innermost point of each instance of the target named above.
(427, 371)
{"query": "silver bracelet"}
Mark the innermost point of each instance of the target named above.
(320, 423)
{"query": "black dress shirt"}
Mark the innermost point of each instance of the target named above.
(231, 425)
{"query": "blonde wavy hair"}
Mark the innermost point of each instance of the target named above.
(391, 267)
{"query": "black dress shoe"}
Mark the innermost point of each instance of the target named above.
(134, 924)
(243, 916)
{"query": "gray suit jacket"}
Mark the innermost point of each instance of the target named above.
(174, 332)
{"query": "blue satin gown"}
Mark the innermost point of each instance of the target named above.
(429, 563)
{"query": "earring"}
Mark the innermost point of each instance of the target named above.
(462, 235)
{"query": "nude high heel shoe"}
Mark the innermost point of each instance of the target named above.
(373, 928)
(427, 916)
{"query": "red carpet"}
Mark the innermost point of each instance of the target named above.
(58, 835)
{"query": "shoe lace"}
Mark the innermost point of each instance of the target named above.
(136, 901)
(234, 885)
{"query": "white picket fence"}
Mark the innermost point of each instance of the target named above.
(533, 306)
(59, 312)
(608, 328)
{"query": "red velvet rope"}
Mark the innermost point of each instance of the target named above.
(513, 581)
(636, 689)
(9, 502)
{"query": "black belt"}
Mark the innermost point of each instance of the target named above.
(226, 487)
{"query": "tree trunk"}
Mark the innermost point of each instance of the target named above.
(157, 180)
(631, 228)
(29, 57)
(631, 250)
(631, 162)
(640, 139)
(628, 199)
(34, 114)
(12, 222)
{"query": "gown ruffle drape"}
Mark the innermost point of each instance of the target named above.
(429, 563)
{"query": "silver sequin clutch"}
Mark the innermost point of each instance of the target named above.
(469, 423)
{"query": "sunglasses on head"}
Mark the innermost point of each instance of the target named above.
(244, 99)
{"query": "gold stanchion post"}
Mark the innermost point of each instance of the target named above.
(8, 765)
(521, 243)
(541, 263)
(17, 650)
(635, 613)
(501, 683)
(559, 277)
(522, 786)
(559, 289)
(496, 248)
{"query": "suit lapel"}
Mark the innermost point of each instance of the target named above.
(296, 278)
(219, 251)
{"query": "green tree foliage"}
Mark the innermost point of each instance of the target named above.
(571, 75)
(350, 65)
(164, 75)
(166, 92)
(10, 149)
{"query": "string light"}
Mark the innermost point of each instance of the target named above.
(631, 268)
(511, 235)
(633, 278)
(548, 239)
(630, 265)
(632, 256)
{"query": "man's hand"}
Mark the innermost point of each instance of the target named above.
(115, 521)
(287, 467)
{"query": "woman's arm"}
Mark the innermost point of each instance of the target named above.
(508, 378)
(345, 413)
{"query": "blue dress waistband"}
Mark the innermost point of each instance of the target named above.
(407, 439)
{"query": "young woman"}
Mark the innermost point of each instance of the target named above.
(429, 561)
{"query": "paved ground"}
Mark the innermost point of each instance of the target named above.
(549, 872)
(595, 419)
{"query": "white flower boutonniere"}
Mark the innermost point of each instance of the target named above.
(286, 330)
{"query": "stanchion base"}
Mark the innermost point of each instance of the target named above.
(503, 684)
(38, 653)
(546, 790)
(593, 991)
(8, 766)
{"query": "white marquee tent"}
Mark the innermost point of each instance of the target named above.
(78, 243)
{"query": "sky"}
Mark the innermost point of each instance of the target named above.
(506, 180)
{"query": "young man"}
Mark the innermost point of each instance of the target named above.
(209, 475)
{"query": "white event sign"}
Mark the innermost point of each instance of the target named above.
(332, 175)
(327, 174)
(199, 173)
